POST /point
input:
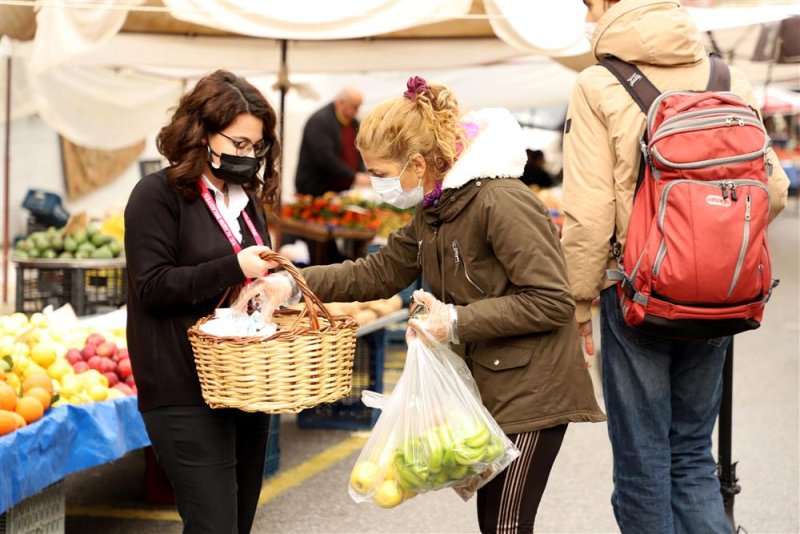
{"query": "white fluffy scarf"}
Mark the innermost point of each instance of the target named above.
(497, 151)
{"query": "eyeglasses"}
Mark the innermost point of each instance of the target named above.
(245, 146)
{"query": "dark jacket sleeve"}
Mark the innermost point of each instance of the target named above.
(534, 266)
(323, 139)
(151, 251)
(380, 275)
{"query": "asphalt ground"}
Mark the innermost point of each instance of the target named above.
(308, 494)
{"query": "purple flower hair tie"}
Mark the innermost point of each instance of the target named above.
(416, 85)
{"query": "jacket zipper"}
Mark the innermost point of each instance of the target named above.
(459, 258)
(707, 112)
(743, 249)
(697, 124)
(662, 250)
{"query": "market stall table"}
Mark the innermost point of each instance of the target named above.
(321, 236)
(70, 438)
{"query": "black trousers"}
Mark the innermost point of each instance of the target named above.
(215, 461)
(509, 502)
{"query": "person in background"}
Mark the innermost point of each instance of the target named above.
(329, 160)
(193, 230)
(503, 302)
(662, 395)
(535, 173)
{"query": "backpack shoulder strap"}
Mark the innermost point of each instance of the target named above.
(643, 92)
(719, 78)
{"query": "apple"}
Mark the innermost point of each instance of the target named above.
(389, 494)
(96, 362)
(124, 369)
(80, 367)
(123, 387)
(364, 477)
(135, 389)
(122, 354)
(95, 339)
(130, 381)
(109, 365)
(88, 351)
(113, 379)
(106, 349)
(74, 356)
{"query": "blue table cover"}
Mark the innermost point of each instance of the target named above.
(66, 440)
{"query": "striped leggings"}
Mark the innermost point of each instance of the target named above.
(508, 503)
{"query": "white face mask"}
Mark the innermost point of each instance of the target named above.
(588, 30)
(390, 190)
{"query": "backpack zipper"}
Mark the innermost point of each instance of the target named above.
(651, 115)
(708, 112)
(697, 124)
(743, 249)
(459, 258)
(731, 160)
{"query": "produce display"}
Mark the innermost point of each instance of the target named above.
(552, 199)
(59, 243)
(39, 371)
(348, 212)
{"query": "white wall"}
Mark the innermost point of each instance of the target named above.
(35, 163)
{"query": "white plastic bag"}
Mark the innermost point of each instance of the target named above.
(433, 433)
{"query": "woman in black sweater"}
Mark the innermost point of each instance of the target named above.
(193, 230)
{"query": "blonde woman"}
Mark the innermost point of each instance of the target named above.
(491, 256)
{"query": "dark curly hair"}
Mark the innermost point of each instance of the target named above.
(210, 107)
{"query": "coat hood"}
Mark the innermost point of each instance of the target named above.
(650, 32)
(497, 151)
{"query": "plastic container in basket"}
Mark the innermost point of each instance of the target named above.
(307, 362)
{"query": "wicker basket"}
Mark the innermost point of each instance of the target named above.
(307, 362)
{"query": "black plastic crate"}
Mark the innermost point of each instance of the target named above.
(273, 446)
(350, 412)
(87, 290)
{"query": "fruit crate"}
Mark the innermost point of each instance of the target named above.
(89, 286)
(42, 513)
(350, 412)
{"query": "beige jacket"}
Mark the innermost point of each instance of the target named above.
(604, 125)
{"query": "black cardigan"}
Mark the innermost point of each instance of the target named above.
(179, 263)
(320, 167)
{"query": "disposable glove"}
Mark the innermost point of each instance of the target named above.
(440, 322)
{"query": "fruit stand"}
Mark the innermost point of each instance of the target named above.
(69, 439)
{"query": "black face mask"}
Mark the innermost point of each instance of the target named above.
(236, 170)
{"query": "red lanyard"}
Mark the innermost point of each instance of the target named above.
(212, 206)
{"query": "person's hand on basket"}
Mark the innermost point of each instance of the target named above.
(251, 263)
(440, 320)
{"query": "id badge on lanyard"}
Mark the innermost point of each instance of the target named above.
(212, 207)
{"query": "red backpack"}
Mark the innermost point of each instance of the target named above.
(696, 262)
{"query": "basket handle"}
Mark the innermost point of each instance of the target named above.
(311, 300)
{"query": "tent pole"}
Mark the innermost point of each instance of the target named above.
(284, 69)
(6, 181)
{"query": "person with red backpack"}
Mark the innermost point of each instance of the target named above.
(669, 184)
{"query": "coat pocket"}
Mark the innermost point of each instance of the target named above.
(499, 355)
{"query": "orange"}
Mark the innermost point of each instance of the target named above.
(30, 408)
(39, 379)
(41, 394)
(8, 397)
(8, 423)
(20, 420)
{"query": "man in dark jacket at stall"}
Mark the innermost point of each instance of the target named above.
(329, 160)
